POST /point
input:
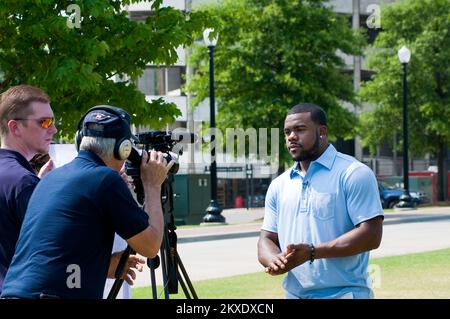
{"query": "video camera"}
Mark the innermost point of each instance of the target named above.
(165, 142)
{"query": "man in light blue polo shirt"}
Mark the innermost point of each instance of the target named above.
(322, 216)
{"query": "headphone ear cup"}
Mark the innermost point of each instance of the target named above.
(78, 138)
(122, 149)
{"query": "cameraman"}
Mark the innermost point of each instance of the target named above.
(64, 248)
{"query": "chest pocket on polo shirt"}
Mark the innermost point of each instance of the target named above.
(323, 205)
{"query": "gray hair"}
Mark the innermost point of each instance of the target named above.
(102, 146)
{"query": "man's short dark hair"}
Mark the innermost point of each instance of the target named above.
(318, 115)
(15, 104)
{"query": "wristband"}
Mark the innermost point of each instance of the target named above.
(312, 253)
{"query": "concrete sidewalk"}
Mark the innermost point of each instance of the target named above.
(243, 223)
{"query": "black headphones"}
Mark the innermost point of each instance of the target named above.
(122, 147)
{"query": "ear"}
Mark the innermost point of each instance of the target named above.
(323, 131)
(13, 128)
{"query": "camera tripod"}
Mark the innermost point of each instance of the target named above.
(173, 270)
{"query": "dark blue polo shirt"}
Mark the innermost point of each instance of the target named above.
(17, 182)
(67, 235)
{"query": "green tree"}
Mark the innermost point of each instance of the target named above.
(272, 55)
(41, 44)
(423, 26)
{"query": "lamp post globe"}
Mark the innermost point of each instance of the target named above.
(404, 55)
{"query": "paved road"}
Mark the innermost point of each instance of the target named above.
(223, 251)
(400, 239)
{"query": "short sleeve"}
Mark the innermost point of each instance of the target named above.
(362, 195)
(127, 217)
(271, 210)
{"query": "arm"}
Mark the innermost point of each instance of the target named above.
(364, 237)
(269, 253)
(23, 197)
(153, 173)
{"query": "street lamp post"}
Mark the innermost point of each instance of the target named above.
(404, 55)
(213, 211)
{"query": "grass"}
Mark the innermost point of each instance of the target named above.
(422, 275)
(256, 285)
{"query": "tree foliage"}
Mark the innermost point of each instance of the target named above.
(76, 66)
(272, 55)
(423, 26)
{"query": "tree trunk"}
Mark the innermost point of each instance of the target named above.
(442, 172)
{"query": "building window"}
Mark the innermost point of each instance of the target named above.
(174, 81)
(162, 81)
(152, 82)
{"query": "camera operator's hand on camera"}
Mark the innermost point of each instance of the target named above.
(154, 168)
(134, 263)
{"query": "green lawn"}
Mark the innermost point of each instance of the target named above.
(424, 275)
(257, 285)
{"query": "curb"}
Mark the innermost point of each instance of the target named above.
(184, 240)
(415, 219)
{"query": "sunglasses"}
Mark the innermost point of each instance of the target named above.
(44, 122)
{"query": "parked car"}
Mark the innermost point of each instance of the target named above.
(390, 195)
(258, 200)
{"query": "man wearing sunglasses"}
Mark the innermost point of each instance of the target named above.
(26, 129)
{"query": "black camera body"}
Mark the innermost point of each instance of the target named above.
(161, 141)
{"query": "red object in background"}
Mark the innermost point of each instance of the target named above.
(239, 202)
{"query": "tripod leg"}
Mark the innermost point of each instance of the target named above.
(153, 280)
(119, 270)
(164, 272)
(186, 277)
(183, 286)
(115, 289)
